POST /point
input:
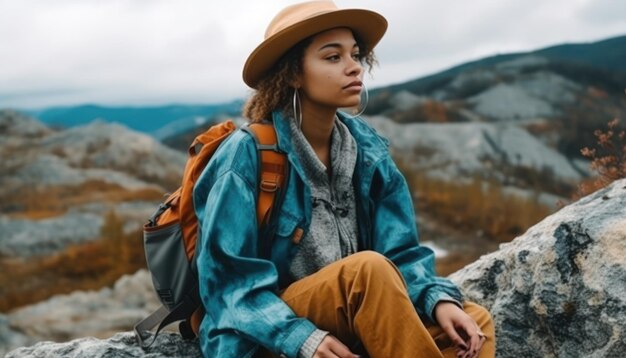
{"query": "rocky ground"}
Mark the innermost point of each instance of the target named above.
(559, 290)
(24, 237)
(167, 345)
(94, 313)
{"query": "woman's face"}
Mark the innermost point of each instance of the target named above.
(331, 70)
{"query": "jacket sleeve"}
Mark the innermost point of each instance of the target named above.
(395, 236)
(237, 288)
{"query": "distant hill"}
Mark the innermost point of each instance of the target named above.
(606, 59)
(159, 121)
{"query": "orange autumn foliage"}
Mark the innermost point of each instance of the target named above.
(608, 160)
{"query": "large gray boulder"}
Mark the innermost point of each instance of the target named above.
(559, 290)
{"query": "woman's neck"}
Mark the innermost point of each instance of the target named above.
(317, 126)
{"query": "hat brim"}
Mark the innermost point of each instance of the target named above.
(368, 25)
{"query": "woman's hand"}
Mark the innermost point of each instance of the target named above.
(461, 328)
(331, 347)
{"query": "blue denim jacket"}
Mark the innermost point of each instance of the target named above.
(239, 289)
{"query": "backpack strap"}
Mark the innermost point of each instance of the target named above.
(163, 316)
(273, 173)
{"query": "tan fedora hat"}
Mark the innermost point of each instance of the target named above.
(297, 22)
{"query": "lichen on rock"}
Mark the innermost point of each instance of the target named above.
(559, 290)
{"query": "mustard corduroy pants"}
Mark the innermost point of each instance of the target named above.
(362, 300)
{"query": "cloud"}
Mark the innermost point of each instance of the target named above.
(604, 12)
(155, 51)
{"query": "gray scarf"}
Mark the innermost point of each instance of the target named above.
(333, 231)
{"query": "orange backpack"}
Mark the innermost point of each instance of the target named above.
(171, 233)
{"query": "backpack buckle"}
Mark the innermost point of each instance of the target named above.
(268, 186)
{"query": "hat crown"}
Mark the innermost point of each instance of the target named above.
(293, 14)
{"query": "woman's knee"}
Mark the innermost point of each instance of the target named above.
(373, 263)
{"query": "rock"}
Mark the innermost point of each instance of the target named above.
(25, 238)
(405, 100)
(112, 146)
(120, 345)
(90, 313)
(99, 314)
(46, 170)
(559, 290)
(36, 155)
(508, 101)
(15, 124)
(459, 150)
(11, 338)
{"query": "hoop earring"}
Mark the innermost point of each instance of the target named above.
(367, 98)
(296, 103)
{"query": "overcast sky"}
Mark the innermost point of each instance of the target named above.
(145, 52)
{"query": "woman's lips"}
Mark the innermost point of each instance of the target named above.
(354, 86)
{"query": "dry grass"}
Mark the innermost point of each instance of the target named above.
(476, 206)
(429, 111)
(452, 263)
(87, 266)
(40, 203)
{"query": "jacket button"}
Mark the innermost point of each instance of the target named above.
(297, 236)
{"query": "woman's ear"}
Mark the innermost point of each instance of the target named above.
(295, 81)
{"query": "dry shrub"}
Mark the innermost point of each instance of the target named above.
(45, 202)
(59, 152)
(608, 160)
(428, 111)
(477, 206)
(435, 111)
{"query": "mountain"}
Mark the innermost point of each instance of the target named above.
(560, 94)
(159, 121)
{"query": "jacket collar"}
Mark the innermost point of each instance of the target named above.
(283, 137)
(371, 146)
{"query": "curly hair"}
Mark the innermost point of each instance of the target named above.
(274, 91)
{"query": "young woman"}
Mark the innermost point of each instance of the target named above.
(347, 275)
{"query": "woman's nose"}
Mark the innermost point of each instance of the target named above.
(354, 67)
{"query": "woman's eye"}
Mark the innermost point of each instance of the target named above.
(356, 56)
(333, 58)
